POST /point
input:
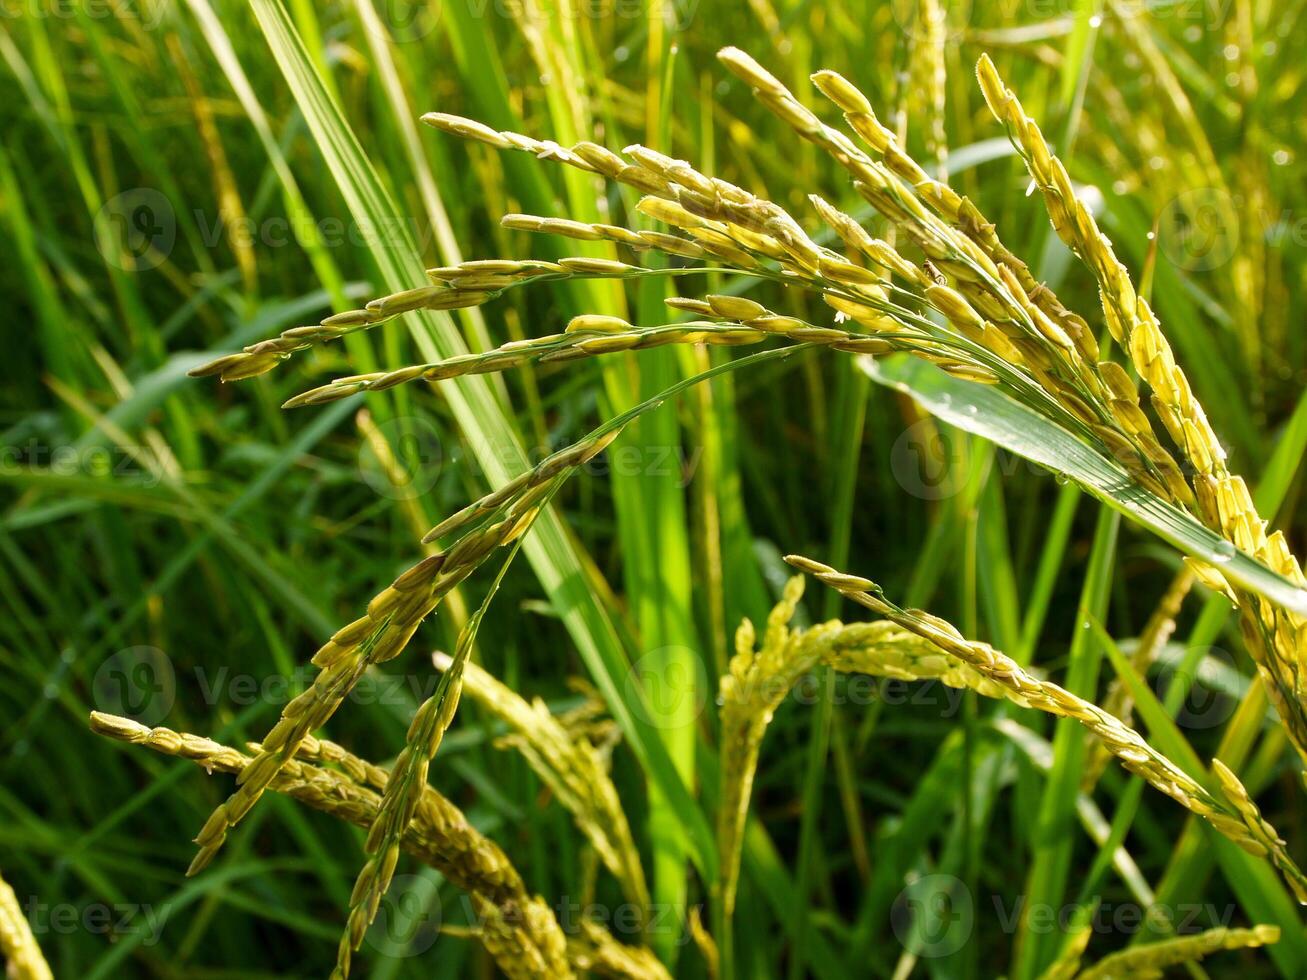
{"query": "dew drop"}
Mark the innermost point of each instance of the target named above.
(1222, 552)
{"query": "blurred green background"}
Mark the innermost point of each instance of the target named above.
(175, 550)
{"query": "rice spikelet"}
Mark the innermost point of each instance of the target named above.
(1276, 638)
(573, 770)
(1149, 962)
(756, 682)
(22, 954)
(439, 834)
(1235, 816)
(392, 618)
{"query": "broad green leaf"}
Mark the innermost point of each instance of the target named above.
(986, 411)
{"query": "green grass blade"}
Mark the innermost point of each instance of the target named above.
(549, 549)
(1051, 862)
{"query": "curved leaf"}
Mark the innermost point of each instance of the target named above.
(985, 411)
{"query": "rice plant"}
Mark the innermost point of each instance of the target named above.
(697, 806)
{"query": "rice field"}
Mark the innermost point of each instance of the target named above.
(546, 488)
